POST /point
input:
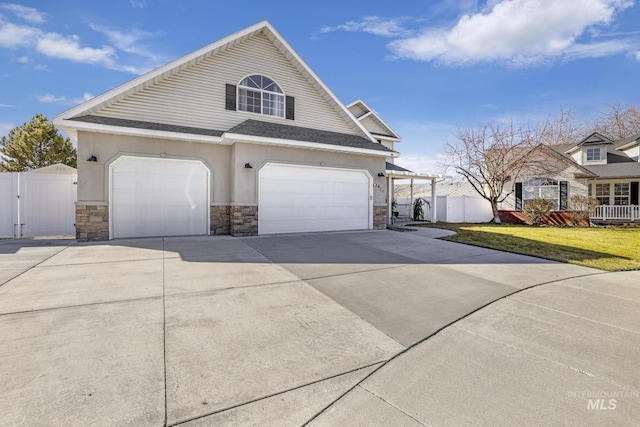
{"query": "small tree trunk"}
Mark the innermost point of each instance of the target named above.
(496, 212)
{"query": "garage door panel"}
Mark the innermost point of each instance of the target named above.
(294, 198)
(159, 197)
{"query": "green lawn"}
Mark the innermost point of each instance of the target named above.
(611, 249)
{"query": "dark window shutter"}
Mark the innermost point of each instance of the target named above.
(290, 109)
(230, 99)
(635, 190)
(518, 196)
(564, 195)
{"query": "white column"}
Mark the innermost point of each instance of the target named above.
(389, 198)
(411, 199)
(433, 200)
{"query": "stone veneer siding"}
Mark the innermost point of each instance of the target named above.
(379, 217)
(244, 221)
(92, 222)
(220, 220)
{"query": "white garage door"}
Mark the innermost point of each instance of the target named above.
(303, 198)
(158, 197)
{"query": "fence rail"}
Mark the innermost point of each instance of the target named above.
(623, 212)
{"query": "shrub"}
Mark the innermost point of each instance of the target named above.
(418, 210)
(538, 209)
(579, 208)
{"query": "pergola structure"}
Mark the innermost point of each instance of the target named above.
(394, 172)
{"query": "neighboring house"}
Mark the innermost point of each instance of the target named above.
(597, 166)
(240, 137)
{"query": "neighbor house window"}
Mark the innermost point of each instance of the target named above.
(593, 154)
(602, 193)
(541, 188)
(260, 94)
(621, 193)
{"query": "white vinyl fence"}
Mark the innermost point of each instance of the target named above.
(451, 209)
(37, 204)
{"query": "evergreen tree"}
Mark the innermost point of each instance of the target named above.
(34, 145)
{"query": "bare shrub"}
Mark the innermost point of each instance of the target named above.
(579, 208)
(537, 210)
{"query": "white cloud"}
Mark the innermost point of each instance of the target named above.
(29, 14)
(85, 97)
(58, 46)
(15, 36)
(69, 47)
(129, 42)
(516, 32)
(48, 98)
(7, 106)
(138, 4)
(387, 27)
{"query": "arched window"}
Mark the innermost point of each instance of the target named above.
(260, 94)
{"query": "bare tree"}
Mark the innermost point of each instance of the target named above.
(561, 129)
(618, 121)
(492, 156)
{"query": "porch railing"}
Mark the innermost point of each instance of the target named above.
(626, 212)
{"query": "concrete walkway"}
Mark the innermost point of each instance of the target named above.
(325, 329)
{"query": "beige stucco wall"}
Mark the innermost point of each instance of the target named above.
(93, 176)
(232, 184)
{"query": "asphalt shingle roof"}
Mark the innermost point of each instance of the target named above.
(251, 128)
(296, 133)
(393, 167)
(137, 124)
(616, 170)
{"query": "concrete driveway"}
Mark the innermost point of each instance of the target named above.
(324, 329)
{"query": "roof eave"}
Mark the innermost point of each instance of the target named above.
(230, 138)
(628, 145)
(72, 127)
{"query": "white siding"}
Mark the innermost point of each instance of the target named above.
(195, 96)
(373, 126)
(357, 110)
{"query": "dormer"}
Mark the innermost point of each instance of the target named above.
(591, 151)
(372, 122)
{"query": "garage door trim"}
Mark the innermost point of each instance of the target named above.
(120, 158)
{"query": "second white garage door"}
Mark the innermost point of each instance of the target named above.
(294, 198)
(158, 197)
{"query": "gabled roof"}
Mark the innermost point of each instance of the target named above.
(594, 139)
(360, 106)
(584, 172)
(65, 120)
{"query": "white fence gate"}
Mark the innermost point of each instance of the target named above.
(450, 209)
(463, 209)
(37, 204)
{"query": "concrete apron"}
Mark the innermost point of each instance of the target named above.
(218, 330)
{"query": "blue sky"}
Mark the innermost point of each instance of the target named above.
(427, 67)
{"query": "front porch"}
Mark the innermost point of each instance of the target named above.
(618, 213)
